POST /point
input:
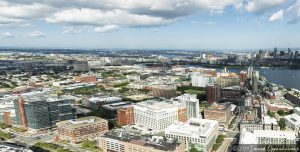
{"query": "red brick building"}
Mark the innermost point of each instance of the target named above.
(77, 130)
(182, 114)
(126, 116)
(213, 93)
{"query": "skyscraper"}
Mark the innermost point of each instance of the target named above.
(192, 105)
(213, 93)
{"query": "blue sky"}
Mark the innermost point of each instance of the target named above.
(151, 24)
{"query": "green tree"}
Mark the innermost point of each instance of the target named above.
(281, 112)
(282, 124)
(194, 149)
(271, 114)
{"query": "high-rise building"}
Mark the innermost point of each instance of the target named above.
(156, 114)
(243, 77)
(85, 128)
(192, 105)
(39, 112)
(220, 112)
(164, 91)
(200, 133)
(213, 93)
(255, 78)
(126, 116)
(232, 94)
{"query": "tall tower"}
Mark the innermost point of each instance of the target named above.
(192, 105)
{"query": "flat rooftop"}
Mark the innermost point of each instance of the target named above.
(194, 127)
(80, 122)
(157, 104)
(156, 142)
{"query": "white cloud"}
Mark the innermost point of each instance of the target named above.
(277, 16)
(102, 18)
(106, 29)
(262, 6)
(35, 34)
(294, 13)
(6, 35)
(73, 29)
(209, 23)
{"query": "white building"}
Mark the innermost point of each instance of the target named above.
(199, 80)
(293, 120)
(267, 137)
(156, 115)
(201, 133)
(191, 103)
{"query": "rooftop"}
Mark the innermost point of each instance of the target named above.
(80, 122)
(194, 127)
(157, 104)
(156, 142)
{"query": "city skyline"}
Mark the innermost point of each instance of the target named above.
(167, 24)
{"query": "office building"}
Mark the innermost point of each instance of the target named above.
(293, 120)
(243, 78)
(220, 112)
(156, 114)
(126, 116)
(201, 80)
(201, 133)
(123, 141)
(85, 128)
(164, 91)
(40, 112)
(228, 79)
(268, 137)
(232, 94)
(213, 93)
(191, 103)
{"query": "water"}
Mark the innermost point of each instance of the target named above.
(289, 78)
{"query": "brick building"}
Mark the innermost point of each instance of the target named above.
(220, 112)
(77, 130)
(213, 93)
(126, 116)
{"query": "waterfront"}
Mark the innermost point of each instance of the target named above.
(289, 78)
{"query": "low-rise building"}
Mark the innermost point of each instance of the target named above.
(122, 141)
(85, 128)
(293, 120)
(220, 112)
(268, 137)
(200, 133)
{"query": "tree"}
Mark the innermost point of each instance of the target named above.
(281, 112)
(271, 114)
(282, 124)
(194, 149)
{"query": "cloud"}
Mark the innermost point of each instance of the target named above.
(106, 29)
(294, 13)
(262, 6)
(102, 18)
(73, 29)
(277, 16)
(35, 34)
(6, 35)
(209, 23)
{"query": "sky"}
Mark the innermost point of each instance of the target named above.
(150, 24)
